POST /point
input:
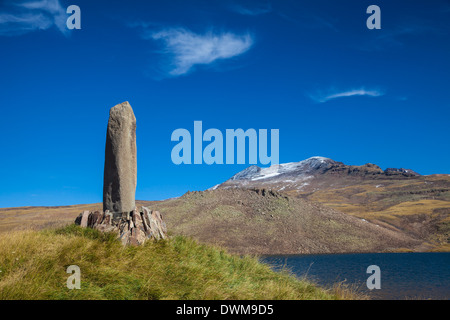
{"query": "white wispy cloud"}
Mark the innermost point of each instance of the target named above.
(330, 95)
(188, 49)
(27, 16)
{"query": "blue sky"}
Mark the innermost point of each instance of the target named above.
(310, 69)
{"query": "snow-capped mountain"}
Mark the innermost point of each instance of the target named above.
(296, 169)
(311, 174)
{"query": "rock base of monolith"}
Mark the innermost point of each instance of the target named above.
(132, 228)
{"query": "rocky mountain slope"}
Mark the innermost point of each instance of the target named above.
(259, 221)
(313, 174)
(396, 198)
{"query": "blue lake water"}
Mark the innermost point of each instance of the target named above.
(402, 275)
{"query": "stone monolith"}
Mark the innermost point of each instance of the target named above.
(120, 172)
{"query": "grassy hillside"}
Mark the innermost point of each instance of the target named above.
(33, 266)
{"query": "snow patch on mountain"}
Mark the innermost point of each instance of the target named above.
(270, 172)
(255, 173)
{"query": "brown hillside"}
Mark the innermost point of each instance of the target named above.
(245, 221)
(265, 222)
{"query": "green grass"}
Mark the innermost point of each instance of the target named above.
(33, 266)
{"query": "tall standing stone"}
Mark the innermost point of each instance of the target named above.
(120, 175)
(120, 216)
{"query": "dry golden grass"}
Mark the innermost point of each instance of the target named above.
(37, 218)
(41, 217)
(417, 207)
(413, 208)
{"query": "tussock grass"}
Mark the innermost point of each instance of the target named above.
(33, 266)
